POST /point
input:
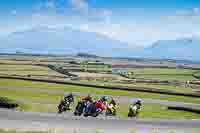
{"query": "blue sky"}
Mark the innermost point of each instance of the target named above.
(111, 3)
(137, 22)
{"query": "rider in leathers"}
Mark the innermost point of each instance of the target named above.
(87, 101)
(88, 98)
(113, 102)
(69, 98)
(102, 103)
(138, 102)
(112, 106)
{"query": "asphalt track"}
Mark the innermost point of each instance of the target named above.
(68, 123)
(121, 99)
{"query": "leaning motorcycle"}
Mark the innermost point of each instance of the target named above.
(80, 108)
(134, 110)
(63, 106)
(95, 109)
(111, 110)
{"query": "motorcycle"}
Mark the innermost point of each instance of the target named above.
(111, 110)
(134, 110)
(64, 106)
(80, 108)
(95, 109)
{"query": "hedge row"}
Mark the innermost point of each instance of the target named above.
(184, 109)
(7, 103)
(138, 89)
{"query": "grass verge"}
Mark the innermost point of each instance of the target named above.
(42, 85)
(24, 70)
(159, 111)
(164, 73)
(145, 85)
(148, 111)
(15, 131)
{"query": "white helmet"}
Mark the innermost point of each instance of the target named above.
(139, 100)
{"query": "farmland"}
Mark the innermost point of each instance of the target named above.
(44, 97)
(164, 74)
(29, 71)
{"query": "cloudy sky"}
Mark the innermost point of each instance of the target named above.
(137, 22)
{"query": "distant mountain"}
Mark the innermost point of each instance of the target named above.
(43, 40)
(62, 41)
(86, 55)
(181, 49)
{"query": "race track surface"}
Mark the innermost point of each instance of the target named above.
(68, 122)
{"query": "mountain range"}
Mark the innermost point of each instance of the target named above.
(61, 41)
(66, 40)
(180, 49)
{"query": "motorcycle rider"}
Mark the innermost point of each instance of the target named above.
(62, 103)
(102, 103)
(112, 107)
(137, 102)
(96, 107)
(134, 111)
(87, 102)
(68, 99)
(104, 99)
(113, 102)
(61, 106)
(88, 98)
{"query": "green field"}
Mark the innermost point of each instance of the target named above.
(145, 85)
(158, 111)
(197, 75)
(42, 85)
(95, 67)
(24, 70)
(16, 131)
(149, 110)
(29, 97)
(163, 73)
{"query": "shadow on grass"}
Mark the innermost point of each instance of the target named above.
(184, 109)
(7, 103)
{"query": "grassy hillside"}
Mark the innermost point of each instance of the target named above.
(145, 85)
(33, 101)
(25, 70)
(41, 85)
(164, 74)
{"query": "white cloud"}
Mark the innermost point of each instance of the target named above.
(134, 35)
(131, 30)
(83, 7)
(137, 32)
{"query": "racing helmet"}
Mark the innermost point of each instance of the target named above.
(138, 100)
(104, 98)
